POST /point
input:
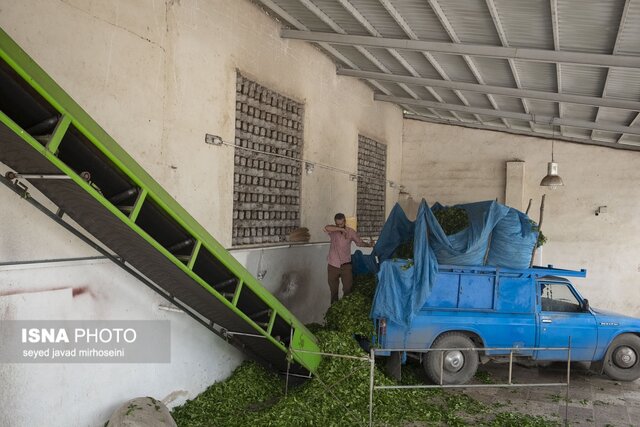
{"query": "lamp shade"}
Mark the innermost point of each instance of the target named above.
(552, 179)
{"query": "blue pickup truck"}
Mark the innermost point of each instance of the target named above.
(488, 307)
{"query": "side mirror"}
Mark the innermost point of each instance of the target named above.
(585, 305)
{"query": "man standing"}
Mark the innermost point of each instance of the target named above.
(339, 258)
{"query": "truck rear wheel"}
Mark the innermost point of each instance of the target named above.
(458, 366)
(622, 361)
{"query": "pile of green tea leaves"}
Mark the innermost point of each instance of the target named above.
(404, 251)
(452, 219)
(338, 395)
(542, 239)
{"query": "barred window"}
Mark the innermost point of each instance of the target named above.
(267, 168)
(372, 167)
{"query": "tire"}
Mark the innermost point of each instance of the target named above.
(622, 361)
(459, 366)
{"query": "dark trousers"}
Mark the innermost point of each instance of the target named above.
(334, 275)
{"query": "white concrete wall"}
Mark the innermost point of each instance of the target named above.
(453, 164)
(87, 394)
(296, 275)
(158, 75)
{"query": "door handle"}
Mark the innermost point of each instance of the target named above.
(547, 321)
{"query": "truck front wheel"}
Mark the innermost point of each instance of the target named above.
(455, 366)
(622, 361)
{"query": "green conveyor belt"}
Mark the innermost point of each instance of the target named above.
(51, 143)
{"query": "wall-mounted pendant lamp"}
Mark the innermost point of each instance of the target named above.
(552, 180)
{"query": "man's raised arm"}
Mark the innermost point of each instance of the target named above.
(333, 228)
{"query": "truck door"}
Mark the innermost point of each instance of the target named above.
(560, 316)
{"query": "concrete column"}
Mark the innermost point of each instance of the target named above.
(514, 187)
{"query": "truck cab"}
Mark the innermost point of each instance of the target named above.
(535, 311)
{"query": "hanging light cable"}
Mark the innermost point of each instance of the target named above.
(552, 180)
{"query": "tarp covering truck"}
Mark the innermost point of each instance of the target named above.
(485, 312)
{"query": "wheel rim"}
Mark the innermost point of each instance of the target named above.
(453, 361)
(625, 357)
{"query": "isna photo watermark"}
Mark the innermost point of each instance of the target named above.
(85, 341)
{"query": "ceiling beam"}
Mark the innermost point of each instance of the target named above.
(540, 119)
(634, 122)
(397, 17)
(493, 11)
(327, 47)
(335, 27)
(371, 29)
(536, 55)
(444, 21)
(616, 47)
(496, 90)
(555, 28)
(524, 132)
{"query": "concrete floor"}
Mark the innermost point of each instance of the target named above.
(594, 400)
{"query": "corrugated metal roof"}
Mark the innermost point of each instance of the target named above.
(589, 25)
(378, 17)
(526, 23)
(495, 71)
(630, 32)
(580, 27)
(455, 67)
(388, 61)
(508, 103)
(581, 80)
(577, 132)
(492, 121)
(394, 89)
(356, 57)
(476, 99)
(302, 14)
(544, 108)
(422, 92)
(468, 117)
(630, 140)
(605, 136)
(447, 115)
(422, 20)
(340, 16)
(537, 75)
(614, 115)
(519, 124)
(580, 112)
(471, 21)
(420, 64)
(546, 130)
(448, 96)
(624, 83)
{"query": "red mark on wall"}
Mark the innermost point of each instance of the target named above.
(79, 291)
(75, 291)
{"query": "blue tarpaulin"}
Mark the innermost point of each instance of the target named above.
(403, 286)
(497, 235)
(395, 231)
(512, 241)
(469, 246)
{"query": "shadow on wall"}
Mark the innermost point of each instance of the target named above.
(294, 290)
(295, 275)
